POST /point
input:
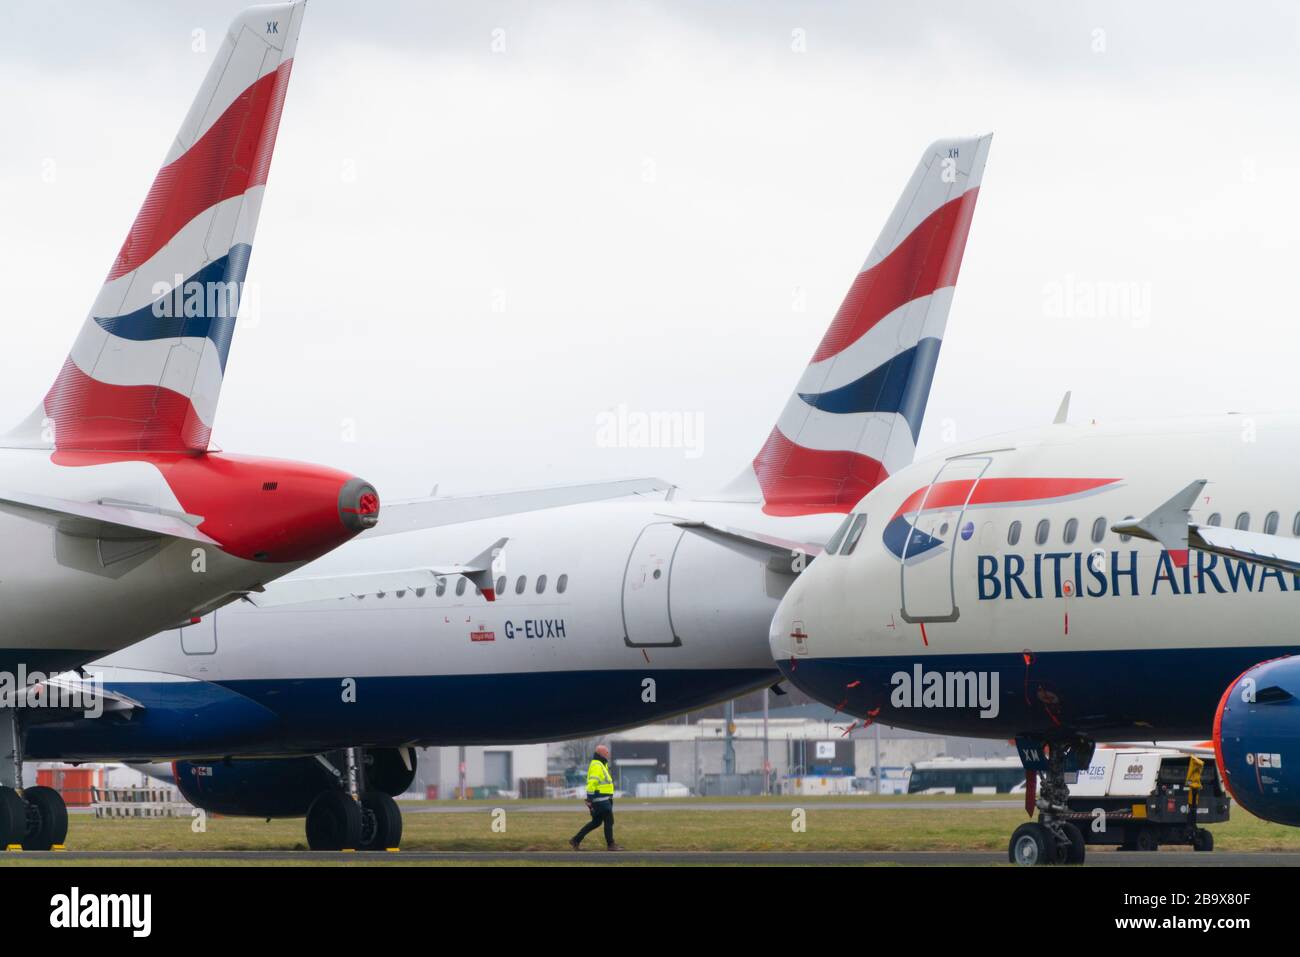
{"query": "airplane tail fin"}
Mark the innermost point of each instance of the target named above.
(145, 372)
(854, 417)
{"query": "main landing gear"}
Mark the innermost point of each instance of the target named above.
(35, 819)
(362, 815)
(1051, 839)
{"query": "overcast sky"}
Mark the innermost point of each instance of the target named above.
(487, 224)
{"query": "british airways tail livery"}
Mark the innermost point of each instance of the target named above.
(606, 614)
(115, 519)
(145, 372)
(856, 412)
(1064, 586)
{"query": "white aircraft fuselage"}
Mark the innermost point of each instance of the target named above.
(961, 626)
(653, 620)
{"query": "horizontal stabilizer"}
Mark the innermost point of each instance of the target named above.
(104, 519)
(781, 554)
(423, 513)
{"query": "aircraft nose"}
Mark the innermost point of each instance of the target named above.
(787, 635)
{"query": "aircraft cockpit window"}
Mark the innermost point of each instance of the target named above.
(1214, 519)
(834, 544)
(855, 532)
(561, 584)
(541, 584)
(1099, 529)
(1013, 533)
(1071, 530)
(1270, 523)
(1243, 522)
(1040, 533)
(521, 584)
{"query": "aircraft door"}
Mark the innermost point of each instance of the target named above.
(647, 622)
(200, 638)
(939, 527)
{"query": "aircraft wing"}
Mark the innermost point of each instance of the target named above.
(442, 510)
(1171, 526)
(482, 571)
(781, 554)
(104, 519)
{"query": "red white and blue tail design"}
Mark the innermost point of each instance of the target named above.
(146, 371)
(856, 413)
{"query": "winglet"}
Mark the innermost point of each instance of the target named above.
(1168, 524)
(483, 569)
(1063, 410)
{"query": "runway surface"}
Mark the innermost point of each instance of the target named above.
(599, 856)
(520, 807)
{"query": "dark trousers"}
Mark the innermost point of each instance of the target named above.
(602, 812)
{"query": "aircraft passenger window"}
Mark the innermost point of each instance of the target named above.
(1214, 519)
(1040, 533)
(521, 584)
(541, 584)
(833, 545)
(851, 542)
(501, 586)
(1243, 522)
(1099, 529)
(561, 584)
(442, 588)
(1270, 523)
(1295, 525)
(460, 587)
(1071, 530)
(1013, 533)
(419, 593)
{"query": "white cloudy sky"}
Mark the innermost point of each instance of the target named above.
(420, 174)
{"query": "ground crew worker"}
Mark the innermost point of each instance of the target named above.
(600, 800)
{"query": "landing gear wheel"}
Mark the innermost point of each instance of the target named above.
(1202, 840)
(1078, 847)
(47, 819)
(1032, 845)
(13, 818)
(333, 822)
(1146, 839)
(382, 822)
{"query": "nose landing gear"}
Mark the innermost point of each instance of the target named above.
(1051, 839)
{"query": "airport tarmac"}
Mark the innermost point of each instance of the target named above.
(596, 856)
(624, 806)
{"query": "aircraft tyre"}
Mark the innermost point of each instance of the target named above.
(334, 822)
(1077, 848)
(13, 818)
(46, 819)
(381, 825)
(1032, 845)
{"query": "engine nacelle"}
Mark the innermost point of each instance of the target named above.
(1257, 740)
(285, 787)
(273, 787)
(387, 770)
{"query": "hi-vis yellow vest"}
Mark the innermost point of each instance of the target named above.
(598, 778)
